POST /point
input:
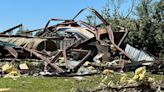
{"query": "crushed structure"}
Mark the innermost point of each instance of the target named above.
(65, 48)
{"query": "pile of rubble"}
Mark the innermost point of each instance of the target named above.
(71, 48)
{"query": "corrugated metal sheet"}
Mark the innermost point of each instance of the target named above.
(138, 55)
(31, 43)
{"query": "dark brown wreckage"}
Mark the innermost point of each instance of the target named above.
(70, 45)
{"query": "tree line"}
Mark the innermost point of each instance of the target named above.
(144, 21)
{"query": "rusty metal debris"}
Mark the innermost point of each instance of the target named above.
(9, 30)
(66, 46)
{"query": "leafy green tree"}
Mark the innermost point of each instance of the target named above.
(149, 27)
(145, 26)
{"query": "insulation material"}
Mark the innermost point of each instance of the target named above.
(10, 71)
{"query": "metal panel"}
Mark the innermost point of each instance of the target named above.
(138, 55)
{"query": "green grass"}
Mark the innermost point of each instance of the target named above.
(45, 84)
(57, 84)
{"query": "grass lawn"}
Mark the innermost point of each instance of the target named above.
(46, 84)
(56, 84)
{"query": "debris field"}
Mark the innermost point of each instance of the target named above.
(76, 48)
